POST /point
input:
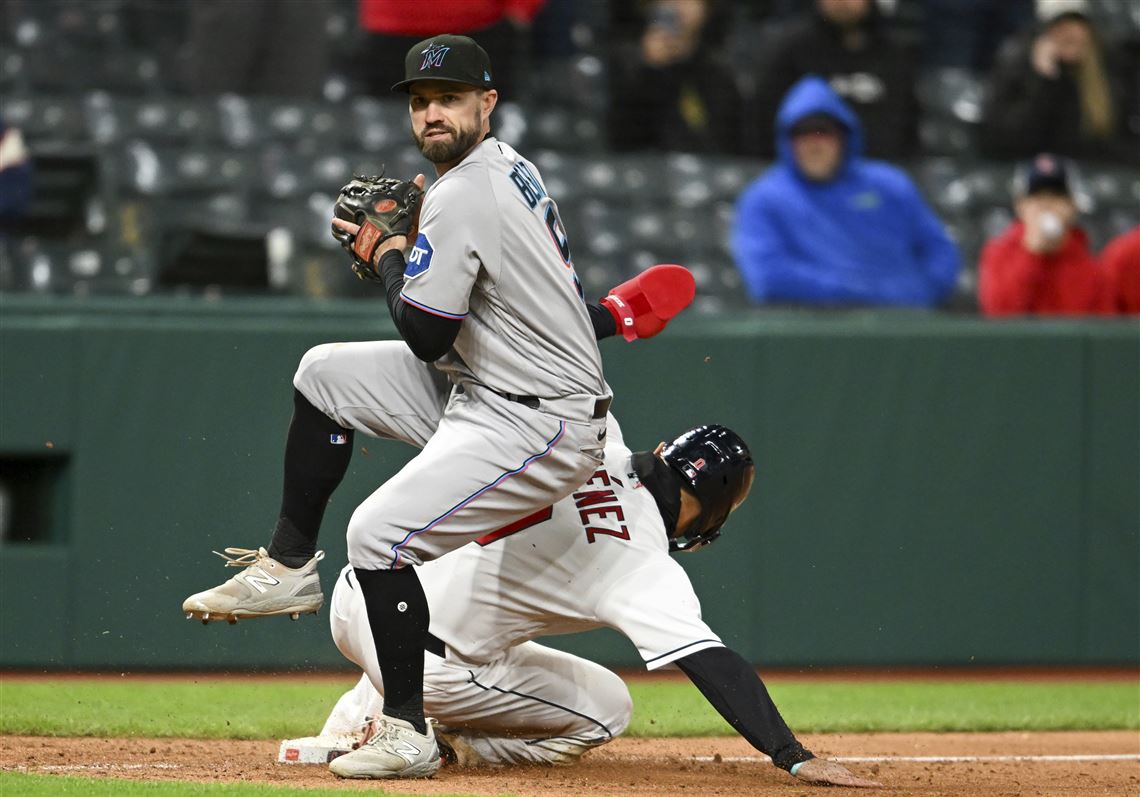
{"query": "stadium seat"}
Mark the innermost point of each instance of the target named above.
(316, 127)
(990, 183)
(990, 222)
(377, 124)
(1112, 187)
(55, 119)
(149, 170)
(13, 74)
(951, 93)
(112, 118)
(946, 137)
(564, 129)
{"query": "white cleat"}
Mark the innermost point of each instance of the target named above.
(395, 750)
(264, 588)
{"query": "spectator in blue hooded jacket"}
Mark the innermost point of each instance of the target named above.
(825, 226)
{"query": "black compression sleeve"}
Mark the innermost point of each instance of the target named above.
(736, 691)
(603, 321)
(429, 336)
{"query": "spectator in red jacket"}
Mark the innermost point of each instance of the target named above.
(502, 28)
(1041, 264)
(1121, 261)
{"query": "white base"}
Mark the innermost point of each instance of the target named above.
(315, 749)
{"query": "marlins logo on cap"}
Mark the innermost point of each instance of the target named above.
(433, 56)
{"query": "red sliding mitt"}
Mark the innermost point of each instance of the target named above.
(643, 305)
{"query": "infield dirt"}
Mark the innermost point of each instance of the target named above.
(639, 767)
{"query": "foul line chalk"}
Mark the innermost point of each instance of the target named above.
(95, 767)
(936, 759)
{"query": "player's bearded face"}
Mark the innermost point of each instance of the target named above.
(444, 135)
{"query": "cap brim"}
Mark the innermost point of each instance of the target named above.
(404, 85)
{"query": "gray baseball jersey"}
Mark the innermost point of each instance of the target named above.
(492, 251)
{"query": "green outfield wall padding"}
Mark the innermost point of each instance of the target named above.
(932, 490)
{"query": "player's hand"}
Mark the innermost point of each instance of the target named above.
(822, 772)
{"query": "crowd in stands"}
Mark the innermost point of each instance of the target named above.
(845, 152)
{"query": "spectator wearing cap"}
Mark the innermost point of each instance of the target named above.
(848, 43)
(1121, 262)
(1058, 88)
(1041, 264)
(825, 226)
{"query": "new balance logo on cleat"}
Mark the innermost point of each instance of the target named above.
(265, 588)
(259, 579)
(407, 751)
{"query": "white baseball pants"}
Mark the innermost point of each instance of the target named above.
(531, 705)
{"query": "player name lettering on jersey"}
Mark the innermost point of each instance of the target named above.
(597, 504)
(528, 184)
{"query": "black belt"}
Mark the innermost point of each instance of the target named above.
(601, 406)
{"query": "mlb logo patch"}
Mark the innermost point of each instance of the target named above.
(338, 439)
(419, 258)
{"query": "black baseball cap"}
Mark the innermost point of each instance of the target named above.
(1044, 173)
(817, 123)
(447, 57)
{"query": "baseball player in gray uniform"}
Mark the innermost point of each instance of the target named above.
(599, 557)
(497, 380)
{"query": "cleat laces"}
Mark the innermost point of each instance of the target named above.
(241, 557)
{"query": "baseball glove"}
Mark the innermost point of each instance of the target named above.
(383, 207)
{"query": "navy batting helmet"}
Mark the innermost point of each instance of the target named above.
(717, 466)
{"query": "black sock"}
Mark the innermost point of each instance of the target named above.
(317, 453)
(399, 634)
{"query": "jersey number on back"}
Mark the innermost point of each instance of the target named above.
(536, 197)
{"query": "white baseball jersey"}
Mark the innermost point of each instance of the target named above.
(598, 557)
(492, 251)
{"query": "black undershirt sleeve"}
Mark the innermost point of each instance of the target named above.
(734, 689)
(428, 336)
(602, 320)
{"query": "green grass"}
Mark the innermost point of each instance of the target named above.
(263, 709)
(20, 785)
(677, 709)
(206, 709)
